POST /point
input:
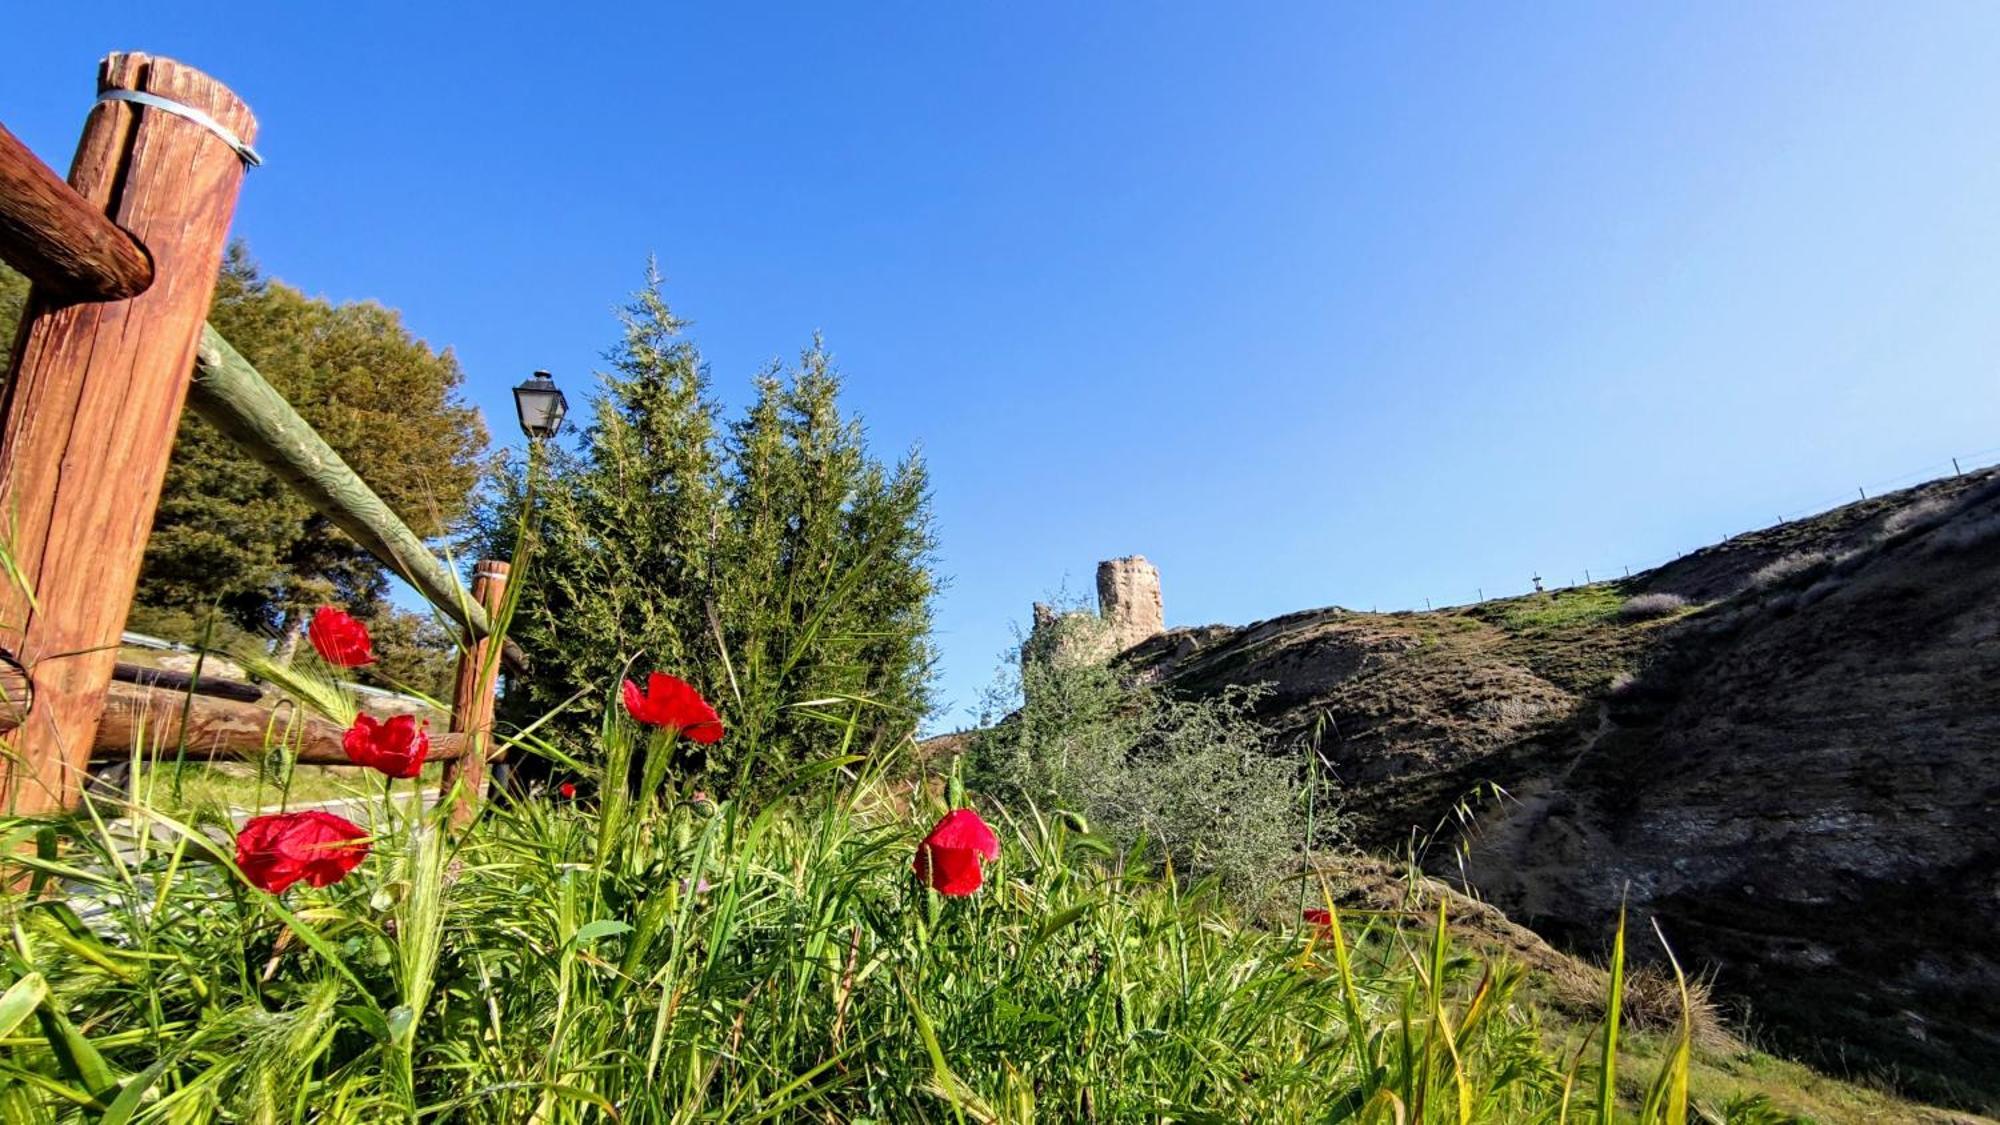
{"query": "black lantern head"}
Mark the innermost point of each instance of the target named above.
(541, 407)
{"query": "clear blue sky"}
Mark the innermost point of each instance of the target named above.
(1309, 303)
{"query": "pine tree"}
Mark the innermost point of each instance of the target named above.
(624, 528)
(771, 568)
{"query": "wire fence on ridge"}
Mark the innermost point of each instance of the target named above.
(1961, 465)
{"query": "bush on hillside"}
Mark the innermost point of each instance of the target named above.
(1196, 778)
(1966, 534)
(1915, 516)
(1645, 607)
(1790, 568)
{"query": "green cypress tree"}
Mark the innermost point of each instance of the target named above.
(624, 527)
(772, 569)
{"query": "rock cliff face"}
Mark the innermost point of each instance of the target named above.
(1803, 786)
(1798, 776)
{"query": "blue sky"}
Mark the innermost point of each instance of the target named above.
(1310, 304)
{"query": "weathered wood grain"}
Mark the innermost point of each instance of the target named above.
(88, 418)
(151, 719)
(57, 239)
(181, 681)
(472, 698)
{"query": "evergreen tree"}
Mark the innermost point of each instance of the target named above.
(773, 567)
(620, 566)
(13, 296)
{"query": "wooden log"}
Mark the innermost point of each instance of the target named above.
(235, 398)
(57, 239)
(472, 699)
(151, 718)
(89, 416)
(181, 681)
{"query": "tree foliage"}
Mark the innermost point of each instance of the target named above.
(770, 561)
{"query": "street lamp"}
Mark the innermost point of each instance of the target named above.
(541, 407)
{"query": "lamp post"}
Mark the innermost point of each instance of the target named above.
(541, 406)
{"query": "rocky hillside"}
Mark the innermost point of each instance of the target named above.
(1797, 772)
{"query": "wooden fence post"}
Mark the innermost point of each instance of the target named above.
(472, 695)
(88, 419)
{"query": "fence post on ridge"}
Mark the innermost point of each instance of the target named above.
(472, 695)
(87, 421)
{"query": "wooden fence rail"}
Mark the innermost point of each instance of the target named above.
(159, 723)
(87, 423)
(233, 397)
(55, 237)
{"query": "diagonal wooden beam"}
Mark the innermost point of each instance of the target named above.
(70, 249)
(236, 399)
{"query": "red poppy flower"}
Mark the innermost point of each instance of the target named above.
(396, 747)
(279, 850)
(949, 858)
(669, 701)
(1319, 917)
(341, 640)
(567, 789)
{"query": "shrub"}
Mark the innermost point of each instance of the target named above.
(1197, 778)
(1645, 607)
(1790, 568)
(1916, 515)
(1965, 534)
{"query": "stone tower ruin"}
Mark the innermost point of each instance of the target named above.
(1129, 611)
(1128, 599)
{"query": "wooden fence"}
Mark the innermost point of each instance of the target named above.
(112, 346)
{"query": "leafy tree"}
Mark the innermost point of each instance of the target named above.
(413, 652)
(772, 563)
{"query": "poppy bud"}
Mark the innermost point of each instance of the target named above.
(949, 858)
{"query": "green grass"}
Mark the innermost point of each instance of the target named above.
(183, 790)
(1557, 610)
(1573, 637)
(657, 960)
(557, 962)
